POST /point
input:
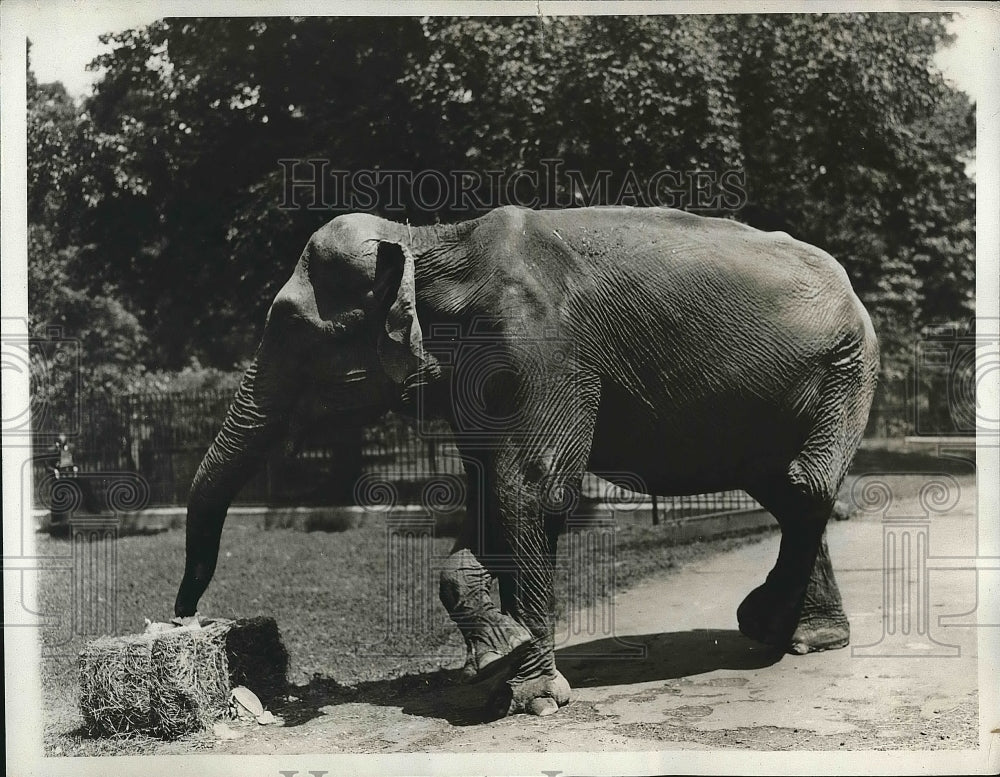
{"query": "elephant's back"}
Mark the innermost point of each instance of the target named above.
(654, 246)
(706, 325)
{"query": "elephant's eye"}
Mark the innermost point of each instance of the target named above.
(344, 325)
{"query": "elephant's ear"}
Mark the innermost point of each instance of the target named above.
(400, 343)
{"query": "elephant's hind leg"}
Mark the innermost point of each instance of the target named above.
(798, 608)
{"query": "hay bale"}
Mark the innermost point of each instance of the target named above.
(257, 658)
(172, 682)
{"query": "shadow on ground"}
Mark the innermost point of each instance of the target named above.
(670, 656)
(604, 662)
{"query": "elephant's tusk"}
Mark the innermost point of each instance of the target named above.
(351, 376)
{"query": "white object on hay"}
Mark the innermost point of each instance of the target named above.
(248, 700)
(168, 682)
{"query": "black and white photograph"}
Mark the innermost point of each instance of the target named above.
(500, 388)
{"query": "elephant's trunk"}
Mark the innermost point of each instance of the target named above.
(257, 417)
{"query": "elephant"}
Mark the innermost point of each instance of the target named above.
(695, 353)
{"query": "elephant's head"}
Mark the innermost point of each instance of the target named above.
(347, 317)
(345, 327)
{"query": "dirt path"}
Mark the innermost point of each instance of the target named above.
(696, 682)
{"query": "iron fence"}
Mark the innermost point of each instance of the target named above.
(164, 436)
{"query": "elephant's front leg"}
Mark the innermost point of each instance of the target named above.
(532, 486)
(535, 479)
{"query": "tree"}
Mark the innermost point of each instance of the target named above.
(111, 341)
(624, 97)
(198, 113)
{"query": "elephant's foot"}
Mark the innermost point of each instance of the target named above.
(537, 696)
(774, 617)
(493, 647)
(820, 633)
(767, 616)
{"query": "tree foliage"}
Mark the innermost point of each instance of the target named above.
(200, 111)
(609, 93)
(67, 300)
(163, 189)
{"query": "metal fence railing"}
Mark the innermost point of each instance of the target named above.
(163, 437)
